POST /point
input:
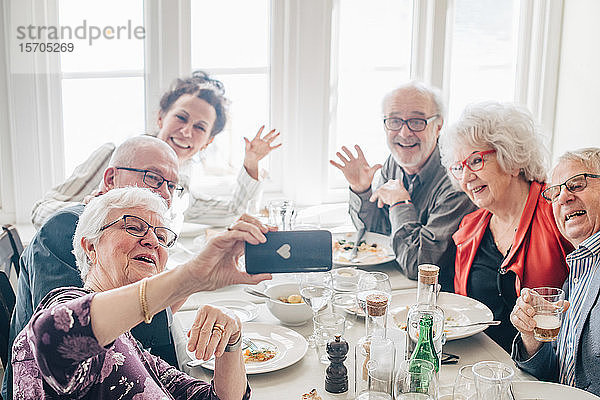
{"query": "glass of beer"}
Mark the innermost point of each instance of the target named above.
(548, 303)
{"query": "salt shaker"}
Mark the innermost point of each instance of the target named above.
(336, 375)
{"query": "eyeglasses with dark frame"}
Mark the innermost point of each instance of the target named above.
(154, 180)
(414, 124)
(474, 162)
(137, 227)
(574, 184)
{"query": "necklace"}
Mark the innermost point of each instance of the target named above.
(504, 240)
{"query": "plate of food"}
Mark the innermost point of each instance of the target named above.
(273, 348)
(458, 310)
(548, 391)
(373, 249)
(245, 310)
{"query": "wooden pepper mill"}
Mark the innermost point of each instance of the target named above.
(336, 375)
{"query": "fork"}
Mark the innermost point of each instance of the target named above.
(249, 344)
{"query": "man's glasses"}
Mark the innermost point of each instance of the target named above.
(474, 162)
(137, 227)
(574, 184)
(154, 180)
(414, 124)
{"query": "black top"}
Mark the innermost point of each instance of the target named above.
(496, 290)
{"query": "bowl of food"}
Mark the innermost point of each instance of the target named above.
(286, 304)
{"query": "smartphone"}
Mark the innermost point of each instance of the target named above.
(290, 251)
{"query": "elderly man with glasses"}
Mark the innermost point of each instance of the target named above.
(573, 358)
(48, 262)
(411, 198)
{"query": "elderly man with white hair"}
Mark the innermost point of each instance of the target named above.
(412, 198)
(573, 359)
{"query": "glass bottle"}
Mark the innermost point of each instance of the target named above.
(374, 353)
(425, 349)
(426, 304)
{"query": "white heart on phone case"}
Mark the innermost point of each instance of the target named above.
(284, 251)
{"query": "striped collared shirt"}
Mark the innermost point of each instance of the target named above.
(583, 263)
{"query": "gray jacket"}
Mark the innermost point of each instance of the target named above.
(421, 231)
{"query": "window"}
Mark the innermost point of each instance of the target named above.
(483, 53)
(371, 53)
(234, 48)
(316, 70)
(102, 82)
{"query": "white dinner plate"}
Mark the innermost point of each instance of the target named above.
(245, 310)
(548, 391)
(386, 254)
(457, 310)
(289, 345)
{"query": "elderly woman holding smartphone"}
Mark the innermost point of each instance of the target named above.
(78, 343)
(496, 157)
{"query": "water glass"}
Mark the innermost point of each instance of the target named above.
(282, 214)
(327, 325)
(344, 304)
(548, 303)
(416, 380)
(374, 369)
(492, 380)
(316, 291)
(464, 385)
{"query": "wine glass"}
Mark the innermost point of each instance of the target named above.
(316, 290)
(416, 380)
(372, 283)
(464, 385)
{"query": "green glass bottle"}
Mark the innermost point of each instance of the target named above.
(425, 349)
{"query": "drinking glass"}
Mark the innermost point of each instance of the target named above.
(416, 380)
(316, 290)
(282, 214)
(548, 303)
(327, 325)
(344, 304)
(464, 385)
(492, 380)
(372, 283)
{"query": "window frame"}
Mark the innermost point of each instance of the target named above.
(299, 91)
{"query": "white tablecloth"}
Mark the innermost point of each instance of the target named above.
(308, 373)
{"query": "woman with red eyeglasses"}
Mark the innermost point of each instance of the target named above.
(496, 156)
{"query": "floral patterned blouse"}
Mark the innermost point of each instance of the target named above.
(57, 354)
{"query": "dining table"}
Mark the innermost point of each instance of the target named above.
(309, 373)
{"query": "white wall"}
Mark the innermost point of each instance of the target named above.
(577, 122)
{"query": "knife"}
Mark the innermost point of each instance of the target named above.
(359, 236)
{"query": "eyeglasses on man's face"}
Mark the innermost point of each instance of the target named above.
(155, 181)
(137, 227)
(574, 184)
(414, 124)
(474, 162)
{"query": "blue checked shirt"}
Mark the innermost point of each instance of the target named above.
(582, 262)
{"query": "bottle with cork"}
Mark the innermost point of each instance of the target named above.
(374, 353)
(426, 305)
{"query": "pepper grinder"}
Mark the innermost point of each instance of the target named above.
(336, 375)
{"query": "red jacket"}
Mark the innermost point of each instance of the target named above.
(537, 255)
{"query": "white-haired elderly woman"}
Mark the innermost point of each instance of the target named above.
(496, 156)
(78, 343)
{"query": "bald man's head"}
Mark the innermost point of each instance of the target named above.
(138, 161)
